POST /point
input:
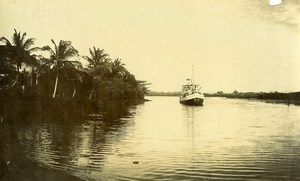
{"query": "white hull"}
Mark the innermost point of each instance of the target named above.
(192, 99)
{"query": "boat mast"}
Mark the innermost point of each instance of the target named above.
(192, 73)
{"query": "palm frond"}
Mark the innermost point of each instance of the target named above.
(88, 59)
(23, 37)
(75, 62)
(55, 47)
(28, 43)
(34, 49)
(70, 52)
(31, 60)
(6, 41)
(17, 39)
(48, 48)
(93, 53)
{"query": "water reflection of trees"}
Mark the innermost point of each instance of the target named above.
(67, 140)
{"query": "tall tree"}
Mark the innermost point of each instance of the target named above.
(99, 61)
(60, 61)
(20, 51)
(99, 66)
(7, 69)
(118, 69)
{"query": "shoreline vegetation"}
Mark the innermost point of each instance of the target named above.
(50, 82)
(161, 93)
(55, 74)
(269, 97)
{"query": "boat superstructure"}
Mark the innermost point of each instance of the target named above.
(191, 95)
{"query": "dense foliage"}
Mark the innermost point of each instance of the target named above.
(56, 73)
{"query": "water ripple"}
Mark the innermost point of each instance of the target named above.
(163, 140)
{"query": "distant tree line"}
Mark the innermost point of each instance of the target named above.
(161, 93)
(26, 73)
(292, 97)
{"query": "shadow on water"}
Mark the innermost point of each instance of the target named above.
(59, 135)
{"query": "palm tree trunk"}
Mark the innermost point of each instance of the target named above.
(90, 96)
(93, 83)
(37, 79)
(15, 81)
(18, 72)
(55, 86)
(31, 80)
(74, 91)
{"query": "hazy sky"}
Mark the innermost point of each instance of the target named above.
(233, 44)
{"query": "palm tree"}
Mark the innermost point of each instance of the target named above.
(61, 63)
(43, 65)
(20, 51)
(7, 69)
(99, 65)
(99, 62)
(118, 69)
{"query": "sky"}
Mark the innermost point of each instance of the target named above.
(232, 44)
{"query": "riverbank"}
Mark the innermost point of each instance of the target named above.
(155, 93)
(271, 97)
(292, 98)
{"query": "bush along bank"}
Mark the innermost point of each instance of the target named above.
(55, 74)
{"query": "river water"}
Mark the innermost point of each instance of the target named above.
(226, 139)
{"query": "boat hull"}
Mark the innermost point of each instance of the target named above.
(192, 102)
(195, 99)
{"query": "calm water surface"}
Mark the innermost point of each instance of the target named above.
(225, 139)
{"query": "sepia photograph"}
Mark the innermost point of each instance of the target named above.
(149, 90)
